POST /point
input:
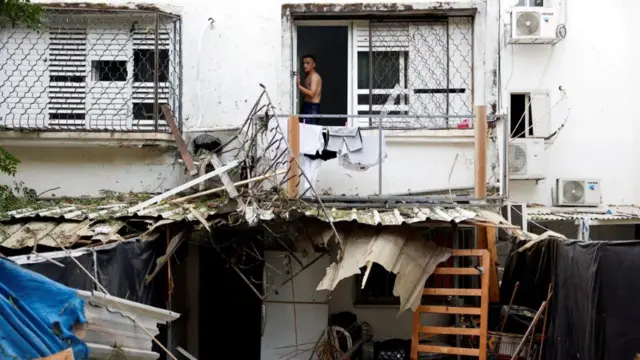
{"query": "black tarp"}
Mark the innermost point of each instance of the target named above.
(121, 268)
(594, 313)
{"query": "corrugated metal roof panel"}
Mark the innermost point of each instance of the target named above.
(110, 324)
(396, 216)
(32, 233)
(575, 213)
(70, 223)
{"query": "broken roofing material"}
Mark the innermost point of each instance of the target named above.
(402, 251)
(111, 330)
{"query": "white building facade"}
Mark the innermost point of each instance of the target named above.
(449, 56)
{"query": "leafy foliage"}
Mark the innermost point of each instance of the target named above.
(8, 162)
(16, 197)
(15, 12)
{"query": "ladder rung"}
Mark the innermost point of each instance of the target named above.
(448, 350)
(453, 292)
(456, 271)
(449, 310)
(449, 330)
(468, 252)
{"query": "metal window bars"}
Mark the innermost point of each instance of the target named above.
(95, 68)
(415, 74)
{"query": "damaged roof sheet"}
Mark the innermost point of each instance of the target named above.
(45, 233)
(396, 216)
(575, 213)
(68, 224)
(401, 251)
(110, 211)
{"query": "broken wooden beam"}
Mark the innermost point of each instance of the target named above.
(226, 180)
(182, 146)
(243, 182)
(185, 186)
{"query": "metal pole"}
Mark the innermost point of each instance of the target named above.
(178, 38)
(156, 106)
(448, 78)
(370, 75)
(380, 156)
(371, 109)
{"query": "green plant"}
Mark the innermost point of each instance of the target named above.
(21, 12)
(8, 162)
(16, 197)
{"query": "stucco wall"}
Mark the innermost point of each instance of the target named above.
(248, 45)
(595, 65)
(78, 171)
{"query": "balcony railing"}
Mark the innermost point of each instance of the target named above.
(92, 69)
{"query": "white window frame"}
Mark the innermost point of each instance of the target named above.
(540, 117)
(403, 106)
(352, 104)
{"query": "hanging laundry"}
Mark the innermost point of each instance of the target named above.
(311, 169)
(344, 139)
(365, 158)
(311, 140)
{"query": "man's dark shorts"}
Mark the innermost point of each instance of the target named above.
(310, 109)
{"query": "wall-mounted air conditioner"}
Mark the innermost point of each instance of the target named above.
(526, 159)
(533, 25)
(580, 192)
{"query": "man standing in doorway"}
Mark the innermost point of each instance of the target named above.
(312, 89)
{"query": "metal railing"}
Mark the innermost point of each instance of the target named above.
(410, 74)
(93, 68)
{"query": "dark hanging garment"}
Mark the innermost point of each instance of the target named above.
(314, 109)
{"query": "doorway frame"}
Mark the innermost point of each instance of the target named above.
(295, 95)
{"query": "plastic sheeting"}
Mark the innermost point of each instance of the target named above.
(121, 268)
(594, 313)
(37, 315)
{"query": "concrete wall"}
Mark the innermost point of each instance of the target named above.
(78, 171)
(223, 65)
(594, 64)
(248, 45)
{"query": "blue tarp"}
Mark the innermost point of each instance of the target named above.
(37, 315)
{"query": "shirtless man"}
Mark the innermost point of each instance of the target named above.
(312, 89)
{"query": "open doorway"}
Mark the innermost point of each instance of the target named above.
(330, 46)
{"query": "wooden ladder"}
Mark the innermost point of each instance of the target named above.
(482, 311)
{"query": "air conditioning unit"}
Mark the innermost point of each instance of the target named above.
(533, 25)
(582, 192)
(526, 159)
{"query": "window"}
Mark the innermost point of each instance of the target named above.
(379, 287)
(419, 69)
(144, 65)
(536, 3)
(144, 111)
(109, 70)
(67, 66)
(529, 115)
(389, 72)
